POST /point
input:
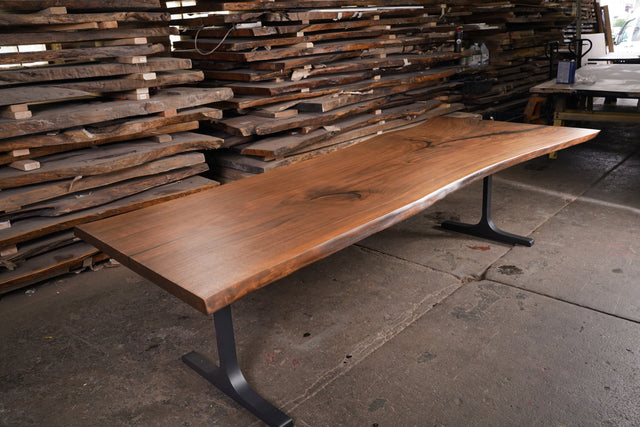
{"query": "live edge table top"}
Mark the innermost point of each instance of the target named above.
(213, 247)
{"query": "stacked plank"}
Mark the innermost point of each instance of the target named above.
(516, 35)
(92, 123)
(589, 10)
(313, 76)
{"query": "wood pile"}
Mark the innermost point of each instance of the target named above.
(516, 34)
(589, 19)
(93, 122)
(313, 76)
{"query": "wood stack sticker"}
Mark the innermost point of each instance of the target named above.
(313, 76)
(94, 121)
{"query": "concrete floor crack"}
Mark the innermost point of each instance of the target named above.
(366, 347)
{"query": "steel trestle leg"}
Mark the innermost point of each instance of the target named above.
(486, 228)
(229, 378)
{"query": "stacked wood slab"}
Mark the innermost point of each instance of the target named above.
(516, 34)
(95, 124)
(588, 18)
(313, 76)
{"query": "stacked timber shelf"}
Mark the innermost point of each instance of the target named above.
(313, 76)
(94, 121)
(589, 10)
(516, 34)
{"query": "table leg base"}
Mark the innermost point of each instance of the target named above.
(486, 229)
(229, 378)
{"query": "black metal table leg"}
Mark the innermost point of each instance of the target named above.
(486, 228)
(229, 378)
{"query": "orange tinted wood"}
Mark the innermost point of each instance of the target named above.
(214, 247)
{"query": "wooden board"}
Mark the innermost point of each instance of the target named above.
(65, 91)
(278, 88)
(162, 134)
(105, 159)
(49, 265)
(21, 19)
(81, 53)
(355, 94)
(32, 228)
(336, 106)
(110, 131)
(288, 52)
(15, 198)
(163, 79)
(239, 44)
(305, 61)
(399, 63)
(264, 227)
(25, 38)
(283, 5)
(245, 101)
(102, 195)
(392, 120)
(89, 70)
(69, 116)
(37, 247)
(327, 140)
(37, 94)
(329, 117)
(36, 5)
(279, 146)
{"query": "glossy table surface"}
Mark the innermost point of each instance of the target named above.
(213, 247)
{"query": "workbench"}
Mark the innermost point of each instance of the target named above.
(614, 82)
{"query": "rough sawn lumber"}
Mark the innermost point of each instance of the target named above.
(68, 116)
(105, 159)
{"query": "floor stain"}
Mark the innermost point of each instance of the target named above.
(520, 297)
(480, 248)
(426, 356)
(377, 404)
(476, 311)
(510, 270)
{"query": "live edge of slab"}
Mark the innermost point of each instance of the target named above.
(212, 248)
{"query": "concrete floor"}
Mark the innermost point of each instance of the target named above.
(413, 326)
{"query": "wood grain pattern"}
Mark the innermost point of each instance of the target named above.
(105, 132)
(44, 19)
(88, 70)
(288, 52)
(68, 116)
(81, 53)
(105, 159)
(15, 198)
(35, 5)
(103, 195)
(31, 228)
(244, 235)
(77, 36)
(48, 265)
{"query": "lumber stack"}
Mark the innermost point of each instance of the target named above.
(93, 122)
(312, 76)
(589, 19)
(516, 34)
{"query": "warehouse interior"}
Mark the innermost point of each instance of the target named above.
(112, 107)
